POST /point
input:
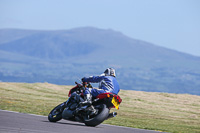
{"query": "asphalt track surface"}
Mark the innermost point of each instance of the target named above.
(13, 122)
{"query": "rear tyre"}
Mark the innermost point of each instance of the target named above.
(56, 114)
(99, 118)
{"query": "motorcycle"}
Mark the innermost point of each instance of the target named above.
(93, 114)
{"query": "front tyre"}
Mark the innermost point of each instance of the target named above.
(56, 114)
(99, 118)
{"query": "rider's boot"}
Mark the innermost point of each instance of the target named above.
(88, 100)
(82, 105)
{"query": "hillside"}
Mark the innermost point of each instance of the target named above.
(146, 110)
(63, 56)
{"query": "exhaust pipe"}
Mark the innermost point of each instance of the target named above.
(111, 115)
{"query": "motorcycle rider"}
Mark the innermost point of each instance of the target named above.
(107, 83)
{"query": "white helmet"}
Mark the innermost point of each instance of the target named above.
(110, 72)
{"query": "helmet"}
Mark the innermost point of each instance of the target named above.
(110, 72)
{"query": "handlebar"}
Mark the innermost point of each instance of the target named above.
(84, 84)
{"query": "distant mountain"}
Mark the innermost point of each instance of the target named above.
(63, 56)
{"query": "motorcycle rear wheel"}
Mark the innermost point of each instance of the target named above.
(99, 118)
(56, 114)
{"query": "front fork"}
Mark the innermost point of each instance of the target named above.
(64, 104)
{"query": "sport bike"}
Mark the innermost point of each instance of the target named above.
(93, 114)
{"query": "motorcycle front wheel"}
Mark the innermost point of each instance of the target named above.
(56, 114)
(99, 118)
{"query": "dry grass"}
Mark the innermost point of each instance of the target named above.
(146, 110)
(160, 111)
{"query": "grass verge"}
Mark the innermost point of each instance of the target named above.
(146, 110)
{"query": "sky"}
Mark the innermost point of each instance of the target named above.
(173, 24)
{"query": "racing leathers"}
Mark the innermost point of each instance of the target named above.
(106, 84)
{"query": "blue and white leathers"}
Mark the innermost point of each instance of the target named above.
(106, 84)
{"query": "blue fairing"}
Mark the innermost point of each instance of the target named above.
(107, 83)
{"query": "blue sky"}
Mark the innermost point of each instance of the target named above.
(172, 24)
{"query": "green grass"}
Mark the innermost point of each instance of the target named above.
(153, 111)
